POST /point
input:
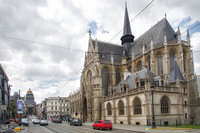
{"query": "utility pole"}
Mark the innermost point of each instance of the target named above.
(153, 115)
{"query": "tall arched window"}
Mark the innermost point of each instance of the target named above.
(160, 64)
(184, 60)
(149, 63)
(164, 105)
(89, 77)
(105, 80)
(172, 57)
(109, 109)
(137, 106)
(118, 77)
(121, 107)
(139, 65)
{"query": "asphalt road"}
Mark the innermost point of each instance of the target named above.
(65, 128)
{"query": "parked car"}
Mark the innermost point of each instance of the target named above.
(53, 119)
(102, 124)
(43, 122)
(36, 121)
(70, 119)
(24, 121)
(58, 120)
(76, 122)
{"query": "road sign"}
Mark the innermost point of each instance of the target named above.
(20, 106)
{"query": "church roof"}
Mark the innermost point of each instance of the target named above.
(142, 75)
(105, 49)
(156, 33)
(175, 74)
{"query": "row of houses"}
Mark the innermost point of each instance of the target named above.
(54, 107)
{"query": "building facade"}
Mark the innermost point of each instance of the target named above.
(43, 109)
(30, 103)
(75, 104)
(119, 82)
(64, 108)
(53, 107)
(4, 96)
(57, 107)
(38, 110)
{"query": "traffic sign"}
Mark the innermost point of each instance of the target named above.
(20, 106)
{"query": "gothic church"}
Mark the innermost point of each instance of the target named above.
(121, 83)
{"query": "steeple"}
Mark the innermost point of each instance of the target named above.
(127, 37)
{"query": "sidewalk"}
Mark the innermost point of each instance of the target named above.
(147, 129)
(4, 128)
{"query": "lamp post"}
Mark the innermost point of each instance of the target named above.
(153, 115)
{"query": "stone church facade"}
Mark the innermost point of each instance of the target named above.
(117, 82)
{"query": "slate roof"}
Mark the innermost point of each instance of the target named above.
(107, 48)
(157, 33)
(130, 80)
(175, 74)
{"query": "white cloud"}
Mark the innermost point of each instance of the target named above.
(64, 23)
(195, 41)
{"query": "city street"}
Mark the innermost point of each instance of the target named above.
(66, 128)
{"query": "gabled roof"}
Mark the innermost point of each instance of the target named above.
(156, 33)
(105, 50)
(175, 74)
(142, 75)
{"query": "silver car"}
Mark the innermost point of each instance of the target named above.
(36, 121)
(24, 121)
(43, 123)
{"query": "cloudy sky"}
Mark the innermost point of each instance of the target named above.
(29, 30)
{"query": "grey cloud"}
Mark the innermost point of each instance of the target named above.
(44, 72)
(32, 59)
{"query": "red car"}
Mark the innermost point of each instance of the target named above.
(102, 124)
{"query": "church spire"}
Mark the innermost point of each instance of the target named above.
(127, 37)
(127, 34)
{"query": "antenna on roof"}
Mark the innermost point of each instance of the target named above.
(165, 15)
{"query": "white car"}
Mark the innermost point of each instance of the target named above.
(43, 122)
(36, 121)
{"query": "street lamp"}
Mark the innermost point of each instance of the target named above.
(153, 116)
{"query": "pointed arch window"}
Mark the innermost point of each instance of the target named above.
(137, 106)
(164, 105)
(89, 77)
(139, 65)
(184, 60)
(160, 63)
(121, 107)
(118, 77)
(172, 57)
(109, 109)
(105, 80)
(149, 63)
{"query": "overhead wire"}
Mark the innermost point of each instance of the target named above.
(191, 28)
(61, 47)
(40, 43)
(129, 23)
